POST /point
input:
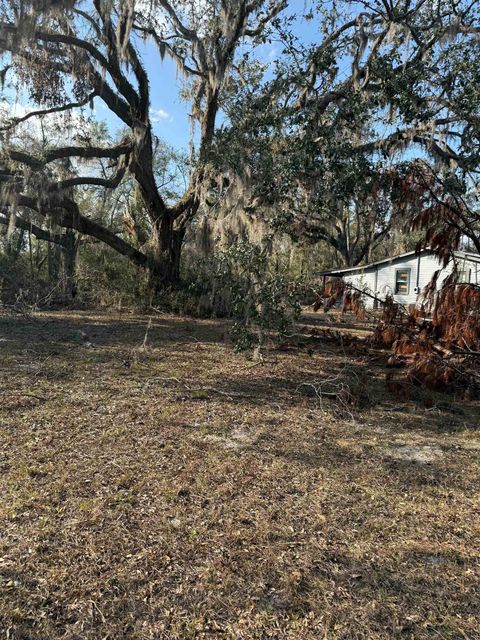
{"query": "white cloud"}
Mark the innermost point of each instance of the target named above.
(273, 53)
(62, 126)
(156, 115)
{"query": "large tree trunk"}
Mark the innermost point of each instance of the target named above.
(177, 244)
(54, 255)
(167, 244)
(70, 252)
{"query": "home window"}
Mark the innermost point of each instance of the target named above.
(464, 276)
(402, 281)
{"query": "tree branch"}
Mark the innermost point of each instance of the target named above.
(12, 122)
(67, 215)
(38, 232)
(107, 183)
(51, 155)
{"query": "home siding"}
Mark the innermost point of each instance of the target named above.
(471, 267)
(379, 280)
(365, 281)
(422, 269)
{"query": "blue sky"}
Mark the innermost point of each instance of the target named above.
(170, 114)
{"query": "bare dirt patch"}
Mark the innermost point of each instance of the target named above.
(423, 454)
(172, 489)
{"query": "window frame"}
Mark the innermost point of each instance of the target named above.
(408, 271)
(465, 275)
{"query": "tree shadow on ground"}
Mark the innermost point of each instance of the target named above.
(334, 378)
(102, 329)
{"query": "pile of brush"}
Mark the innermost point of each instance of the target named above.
(437, 344)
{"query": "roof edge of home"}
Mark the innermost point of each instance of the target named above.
(363, 267)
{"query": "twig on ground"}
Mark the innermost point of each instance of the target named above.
(26, 394)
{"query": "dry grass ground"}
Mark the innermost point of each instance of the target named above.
(180, 491)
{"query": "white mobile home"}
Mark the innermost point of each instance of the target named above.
(405, 276)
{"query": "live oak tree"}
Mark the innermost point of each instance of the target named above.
(320, 141)
(66, 55)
